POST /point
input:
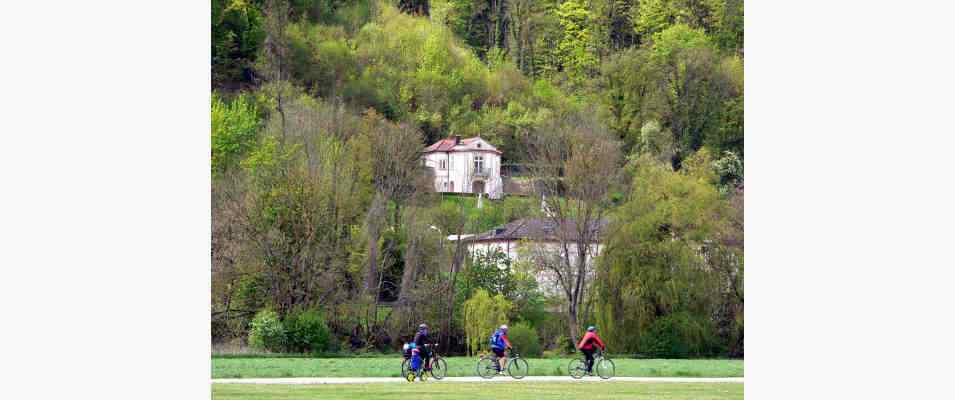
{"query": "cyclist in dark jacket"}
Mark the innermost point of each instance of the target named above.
(421, 339)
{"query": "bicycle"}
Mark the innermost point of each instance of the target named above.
(602, 364)
(487, 366)
(437, 369)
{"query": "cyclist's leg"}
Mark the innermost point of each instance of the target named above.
(426, 359)
(589, 353)
(501, 359)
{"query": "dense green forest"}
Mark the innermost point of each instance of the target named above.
(327, 235)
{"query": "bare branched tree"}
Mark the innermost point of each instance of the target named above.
(451, 220)
(303, 196)
(574, 162)
(396, 169)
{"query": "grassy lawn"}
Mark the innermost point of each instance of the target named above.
(267, 367)
(511, 390)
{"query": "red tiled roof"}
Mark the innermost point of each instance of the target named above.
(441, 145)
(447, 145)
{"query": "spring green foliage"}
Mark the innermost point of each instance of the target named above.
(524, 338)
(476, 66)
(482, 315)
(267, 332)
(575, 49)
(234, 128)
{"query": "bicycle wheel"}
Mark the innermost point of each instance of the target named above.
(577, 368)
(439, 368)
(404, 368)
(605, 368)
(485, 368)
(518, 368)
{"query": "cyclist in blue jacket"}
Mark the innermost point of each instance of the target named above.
(499, 343)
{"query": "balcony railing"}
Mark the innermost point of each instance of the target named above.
(481, 172)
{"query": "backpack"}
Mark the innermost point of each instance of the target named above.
(496, 341)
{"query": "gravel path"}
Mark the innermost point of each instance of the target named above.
(329, 381)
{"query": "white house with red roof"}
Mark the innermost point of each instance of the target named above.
(469, 165)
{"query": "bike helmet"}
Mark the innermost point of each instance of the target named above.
(591, 328)
(422, 327)
(504, 328)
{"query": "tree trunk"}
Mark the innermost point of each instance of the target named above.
(408, 275)
(455, 261)
(572, 327)
(371, 280)
(373, 222)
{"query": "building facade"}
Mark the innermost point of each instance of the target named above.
(537, 241)
(469, 165)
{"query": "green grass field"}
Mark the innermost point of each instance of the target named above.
(286, 367)
(511, 390)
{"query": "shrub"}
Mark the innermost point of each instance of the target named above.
(524, 338)
(306, 332)
(267, 332)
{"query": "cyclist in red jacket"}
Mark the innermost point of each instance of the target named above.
(586, 345)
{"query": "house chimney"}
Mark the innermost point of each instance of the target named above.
(457, 139)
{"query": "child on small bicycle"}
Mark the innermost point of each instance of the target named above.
(499, 343)
(587, 344)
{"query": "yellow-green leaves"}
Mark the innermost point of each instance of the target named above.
(482, 315)
(234, 128)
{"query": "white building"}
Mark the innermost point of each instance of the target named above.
(469, 165)
(537, 240)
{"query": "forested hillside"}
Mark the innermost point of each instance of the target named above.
(328, 236)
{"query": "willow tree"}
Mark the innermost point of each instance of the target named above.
(482, 315)
(665, 268)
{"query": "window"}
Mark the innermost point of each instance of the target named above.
(478, 163)
(442, 164)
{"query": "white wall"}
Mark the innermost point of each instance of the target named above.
(517, 250)
(460, 166)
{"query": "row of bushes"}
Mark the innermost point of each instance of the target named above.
(302, 331)
(305, 331)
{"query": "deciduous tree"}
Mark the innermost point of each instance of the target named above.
(574, 163)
